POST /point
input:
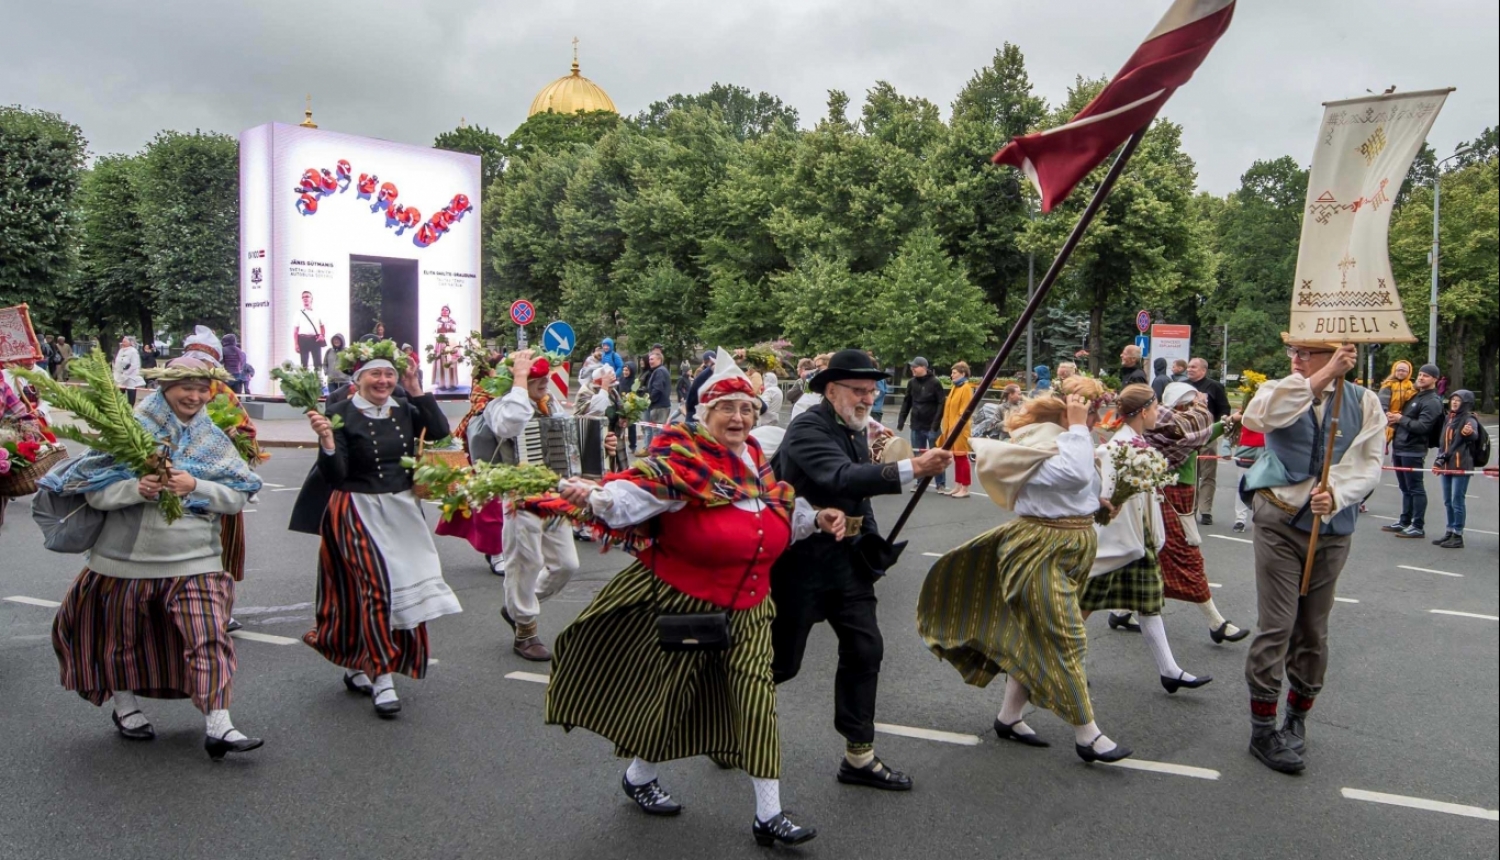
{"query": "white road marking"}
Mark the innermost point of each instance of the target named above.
(1465, 614)
(1164, 767)
(933, 554)
(1422, 803)
(928, 734)
(1345, 600)
(264, 637)
(250, 511)
(269, 484)
(1430, 570)
(533, 677)
(287, 490)
(35, 601)
(263, 610)
(1235, 539)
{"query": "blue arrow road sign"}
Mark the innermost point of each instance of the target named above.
(1144, 342)
(559, 337)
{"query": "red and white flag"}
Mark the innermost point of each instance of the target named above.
(1057, 159)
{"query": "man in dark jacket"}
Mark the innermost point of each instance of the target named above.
(690, 400)
(1414, 426)
(658, 394)
(1131, 372)
(1161, 377)
(825, 456)
(923, 403)
(1218, 405)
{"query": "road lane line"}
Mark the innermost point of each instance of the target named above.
(1422, 803)
(1164, 767)
(533, 677)
(274, 486)
(928, 734)
(287, 490)
(1216, 585)
(933, 554)
(1346, 600)
(264, 637)
(1235, 539)
(34, 601)
(1464, 614)
(1430, 570)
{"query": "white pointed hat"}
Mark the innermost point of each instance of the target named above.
(204, 342)
(727, 382)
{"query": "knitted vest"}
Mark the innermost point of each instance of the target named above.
(1300, 448)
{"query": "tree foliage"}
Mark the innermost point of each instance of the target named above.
(747, 116)
(113, 285)
(41, 165)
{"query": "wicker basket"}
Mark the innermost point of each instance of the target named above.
(21, 479)
(453, 458)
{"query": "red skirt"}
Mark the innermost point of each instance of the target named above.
(158, 638)
(354, 601)
(1182, 574)
(481, 530)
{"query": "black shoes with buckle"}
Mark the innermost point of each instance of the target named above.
(1091, 755)
(1273, 751)
(874, 775)
(1007, 732)
(1126, 621)
(1172, 685)
(651, 798)
(1220, 637)
(140, 733)
(218, 747)
(780, 829)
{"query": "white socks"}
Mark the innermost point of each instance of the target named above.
(125, 703)
(1215, 620)
(863, 758)
(642, 772)
(1013, 705)
(1085, 736)
(1156, 638)
(220, 727)
(359, 679)
(767, 798)
(385, 689)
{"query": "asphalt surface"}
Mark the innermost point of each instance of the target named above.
(469, 770)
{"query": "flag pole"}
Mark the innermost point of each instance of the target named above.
(1037, 298)
(1317, 520)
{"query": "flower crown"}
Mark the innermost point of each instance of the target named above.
(359, 352)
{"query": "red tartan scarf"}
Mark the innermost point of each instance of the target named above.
(687, 465)
(1179, 435)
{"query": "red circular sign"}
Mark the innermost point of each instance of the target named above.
(522, 312)
(1143, 321)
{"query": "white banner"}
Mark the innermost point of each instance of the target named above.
(1344, 291)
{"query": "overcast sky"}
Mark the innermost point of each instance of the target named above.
(408, 70)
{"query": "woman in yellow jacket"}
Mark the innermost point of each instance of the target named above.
(953, 409)
(1396, 392)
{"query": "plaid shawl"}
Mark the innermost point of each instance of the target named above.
(1179, 435)
(685, 464)
(478, 399)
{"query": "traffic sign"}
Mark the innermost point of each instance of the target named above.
(522, 312)
(559, 337)
(1143, 322)
(1144, 342)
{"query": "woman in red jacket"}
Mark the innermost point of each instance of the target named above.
(706, 518)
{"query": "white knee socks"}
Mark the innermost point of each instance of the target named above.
(1013, 706)
(220, 727)
(1156, 638)
(641, 772)
(1085, 736)
(767, 798)
(1215, 620)
(125, 703)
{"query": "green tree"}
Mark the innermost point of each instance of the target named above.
(824, 306)
(925, 305)
(114, 286)
(664, 307)
(747, 116)
(41, 165)
(526, 251)
(480, 141)
(551, 133)
(911, 123)
(189, 194)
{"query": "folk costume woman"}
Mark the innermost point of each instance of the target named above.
(706, 518)
(483, 528)
(148, 615)
(1126, 574)
(1007, 601)
(379, 577)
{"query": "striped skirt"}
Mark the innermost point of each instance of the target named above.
(1182, 571)
(232, 539)
(1136, 587)
(159, 638)
(354, 601)
(611, 677)
(1007, 601)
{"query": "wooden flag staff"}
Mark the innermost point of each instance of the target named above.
(1317, 520)
(1031, 308)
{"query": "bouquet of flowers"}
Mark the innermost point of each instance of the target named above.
(303, 388)
(632, 407)
(1138, 468)
(229, 418)
(461, 490)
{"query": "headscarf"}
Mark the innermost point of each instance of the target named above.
(1400, 391)
(197, 447)
(726, 383)
(1179, 434)
(204, 342)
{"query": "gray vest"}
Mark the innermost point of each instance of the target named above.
(1299, 449)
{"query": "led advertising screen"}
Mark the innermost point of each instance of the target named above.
(340, 234)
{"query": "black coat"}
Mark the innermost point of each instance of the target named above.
(924, 400)
(1418, 417)
(367, 455)
(1133, 376)
(1218, 398)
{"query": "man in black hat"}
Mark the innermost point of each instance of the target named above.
(825, 456)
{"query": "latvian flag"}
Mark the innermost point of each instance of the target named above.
(1056, 159)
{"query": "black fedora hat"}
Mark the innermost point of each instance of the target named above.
(846, 364)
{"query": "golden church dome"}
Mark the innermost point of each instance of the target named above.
(571, 94)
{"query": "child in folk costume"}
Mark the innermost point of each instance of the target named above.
(379, 577)
(1126, 574)
(1183, 427)
(149, 614)
(1007, 601)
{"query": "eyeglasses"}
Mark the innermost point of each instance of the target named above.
(861, 393)
(730, 410)
(1301, 354)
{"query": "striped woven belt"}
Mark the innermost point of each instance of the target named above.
(1272, 499)
(1065, 523)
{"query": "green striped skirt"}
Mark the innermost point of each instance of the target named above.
(1007, 601)
(611, 677)
(1136, 587)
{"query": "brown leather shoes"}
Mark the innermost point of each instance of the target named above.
(531, 648)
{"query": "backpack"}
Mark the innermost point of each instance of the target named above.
(68, 524)
(1480, 446)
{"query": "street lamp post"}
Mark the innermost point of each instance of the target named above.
(1432, 298)
(1030, 291)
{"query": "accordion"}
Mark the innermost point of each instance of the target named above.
(571, 447)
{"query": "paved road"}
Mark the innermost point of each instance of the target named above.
(470, 771)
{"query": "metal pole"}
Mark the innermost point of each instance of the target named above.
(1042, 290)
(1224, 371)
(1432, 298)
(1030, 291)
